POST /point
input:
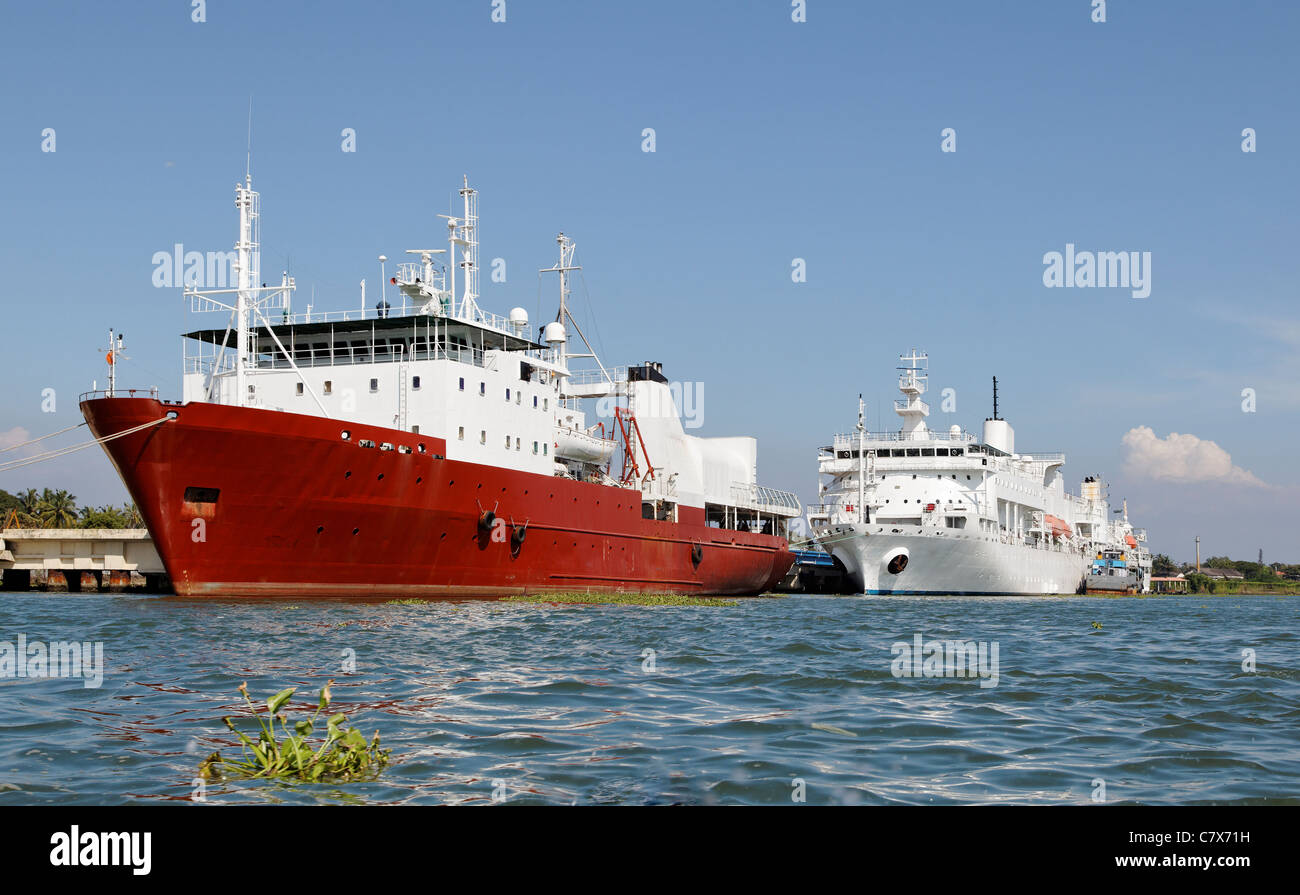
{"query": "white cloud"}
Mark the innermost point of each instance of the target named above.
(1182, 458)
(16, 435)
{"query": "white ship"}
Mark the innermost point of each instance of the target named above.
(917, 511)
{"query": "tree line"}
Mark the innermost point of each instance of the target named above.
(52, 508)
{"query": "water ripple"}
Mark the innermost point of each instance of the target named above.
(756, 704)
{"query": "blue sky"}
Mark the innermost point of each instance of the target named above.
(775, 140)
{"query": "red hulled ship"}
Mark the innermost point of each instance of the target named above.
(426, 447)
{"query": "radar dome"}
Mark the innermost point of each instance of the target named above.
(554, 333)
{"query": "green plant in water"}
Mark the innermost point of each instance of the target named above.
(345, 755)
(408, 602)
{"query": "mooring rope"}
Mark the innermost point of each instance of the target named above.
(14, 447)
(59, 452)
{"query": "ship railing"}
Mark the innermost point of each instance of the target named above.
(595, 376)
(150, 392)
(659, 485)
(401, 308)
(850, 439)
(758, 497)
(904, 404)
(346, 355)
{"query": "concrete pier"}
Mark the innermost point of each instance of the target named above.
(49, 554)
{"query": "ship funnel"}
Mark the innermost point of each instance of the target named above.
(999, 434)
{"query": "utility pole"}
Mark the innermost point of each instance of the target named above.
(1198, 553)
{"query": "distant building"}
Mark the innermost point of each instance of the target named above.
(1222, 574)
(1175, 584)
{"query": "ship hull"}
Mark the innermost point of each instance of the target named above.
(948, 563)
(248, 502)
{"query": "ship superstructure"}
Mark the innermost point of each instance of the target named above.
(946, 512)
(424, 445)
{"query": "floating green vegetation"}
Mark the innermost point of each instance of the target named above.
(345, 755)
(1096, 626)
(620, 599)
(413, 601)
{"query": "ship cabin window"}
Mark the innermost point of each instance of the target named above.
(956, 452)
(460, 434)
(927, 452)
(519, 396)
(517, 442)
(415, 382)
(534, 402)
(299, 388)
(913, 452)
(329, 387)
(507, 442)
(415, 430)
(482, 436)
(941, 452)
(482, 389)
(534, 447)
(507, 394)
(545, 446)
(462, 383)
(374, 385)
(545, 403)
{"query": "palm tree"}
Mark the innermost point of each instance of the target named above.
(29, 513)
(132, 514)
(59, 509)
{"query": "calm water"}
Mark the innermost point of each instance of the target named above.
(556, 705)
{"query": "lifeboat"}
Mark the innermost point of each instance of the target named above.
(1128, 539)
(575, 444)
(1059, 527)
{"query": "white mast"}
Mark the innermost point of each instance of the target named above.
(862, 462)
(563, 315)
(912, 383)
(248, 265)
